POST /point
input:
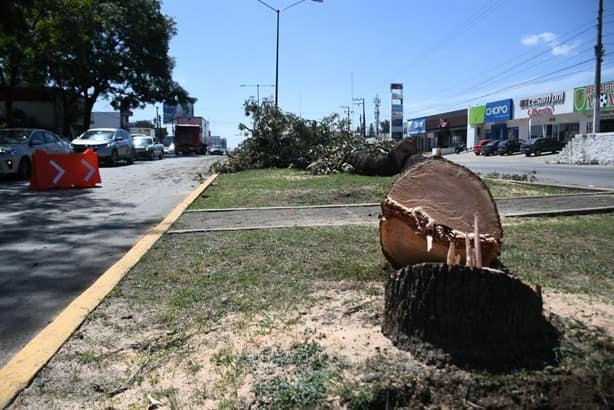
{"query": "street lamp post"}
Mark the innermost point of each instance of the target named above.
(277, 11)
(257, 88)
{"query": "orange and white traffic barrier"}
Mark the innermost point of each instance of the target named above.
(72, 170)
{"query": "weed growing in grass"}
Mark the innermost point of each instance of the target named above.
(298, 377)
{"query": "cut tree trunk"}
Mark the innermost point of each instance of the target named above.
(367, 163)
(477, 317)
(433, 204)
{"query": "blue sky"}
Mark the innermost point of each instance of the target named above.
(449, 54)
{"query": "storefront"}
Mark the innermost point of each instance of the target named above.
(447, 129)
(583, 106)
(493, 120)
(417, 130)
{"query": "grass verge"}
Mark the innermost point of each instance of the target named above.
(290, 318)
(288, 187)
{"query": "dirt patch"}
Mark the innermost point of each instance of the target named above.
(330, 351)
(592, 311)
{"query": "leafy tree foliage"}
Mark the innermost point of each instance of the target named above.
(280, 140)
(117, 49)
(385, 126)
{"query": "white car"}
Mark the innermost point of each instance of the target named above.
(18, 144)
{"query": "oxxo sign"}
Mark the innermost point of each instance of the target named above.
(499, 111)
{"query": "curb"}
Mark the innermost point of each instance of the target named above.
(579, 187)
(17, 374)
(562, 212)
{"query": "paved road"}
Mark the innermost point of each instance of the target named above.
(367, 214)
(54, 244)
(545, 167)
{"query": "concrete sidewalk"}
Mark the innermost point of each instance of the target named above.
(367, 214)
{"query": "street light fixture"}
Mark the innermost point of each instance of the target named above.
(257, 88)
(277, 48)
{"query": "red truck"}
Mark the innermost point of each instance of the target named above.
(190, 134)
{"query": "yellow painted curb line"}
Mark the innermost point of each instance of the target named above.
(24, 365)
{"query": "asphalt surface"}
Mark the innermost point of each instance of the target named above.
(544, 169)
(54, 244)
(368, 214)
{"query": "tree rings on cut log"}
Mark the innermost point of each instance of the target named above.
(478, 317)
(433, 204)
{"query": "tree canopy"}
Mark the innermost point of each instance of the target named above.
(116, 49)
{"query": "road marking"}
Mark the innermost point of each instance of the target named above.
(23, 366)
(60, 170)
(88, 166)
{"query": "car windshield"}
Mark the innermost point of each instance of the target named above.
(95, 135)
(17, 136)
(142, 141)
(537, 141)
(492, 143)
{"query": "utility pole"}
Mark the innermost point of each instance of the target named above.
(377, 103)
(359, 101)
(348, 111)
(598, 55)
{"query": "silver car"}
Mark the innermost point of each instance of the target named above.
(18, 144)
(111, 144)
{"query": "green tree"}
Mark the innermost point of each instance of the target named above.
(19, 37)
(116, 49)
(371, 130)
(385, 126)
(144, 124)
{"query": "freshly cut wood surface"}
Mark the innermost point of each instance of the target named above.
(438, 198)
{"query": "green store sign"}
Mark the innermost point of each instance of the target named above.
(476, 114)
(583, 97)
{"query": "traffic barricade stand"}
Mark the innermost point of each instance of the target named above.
(65, 170)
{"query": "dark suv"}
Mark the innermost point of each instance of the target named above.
(539, 145)
(510, 146)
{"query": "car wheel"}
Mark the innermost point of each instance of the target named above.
(132, 157)
(527, 154)
(25, 168)
(537, 153)
(114, 158)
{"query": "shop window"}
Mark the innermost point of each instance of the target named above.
(574, 128)
(537, 131)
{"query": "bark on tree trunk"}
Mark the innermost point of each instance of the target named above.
(477, 317)
(433, 204)
(366, 163)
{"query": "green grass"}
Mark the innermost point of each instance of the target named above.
(288, 187)
(271, 269)
(572, 254)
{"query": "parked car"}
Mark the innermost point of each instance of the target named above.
(217, 150)
(169, 145)
(540, 145)
(111, 144)
(17, 145)
(510, 146)
(478, 147)
(490, 148)
(147, 147)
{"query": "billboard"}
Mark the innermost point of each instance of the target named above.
(476, 114)
(499, 111)
(583, 97)
(170, 112)
(417, 126)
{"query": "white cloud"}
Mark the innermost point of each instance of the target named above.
(551, 39)
(564, 49)
(534, 39)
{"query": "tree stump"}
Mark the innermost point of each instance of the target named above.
(432, 205)
(477, 317)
